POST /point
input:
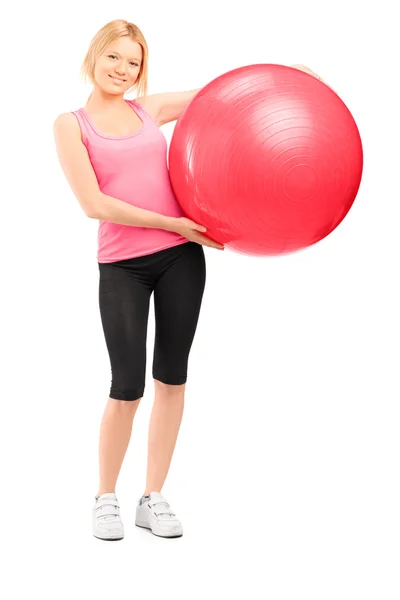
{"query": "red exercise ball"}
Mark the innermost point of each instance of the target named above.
(268, 158)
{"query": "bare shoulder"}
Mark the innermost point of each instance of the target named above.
(66, 121)
(151, 105)
(66, 128)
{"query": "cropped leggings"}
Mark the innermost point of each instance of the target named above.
(177, 277)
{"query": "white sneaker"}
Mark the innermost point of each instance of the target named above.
(107, 524)
(155, 513)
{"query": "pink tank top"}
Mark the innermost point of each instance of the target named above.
(132, 168)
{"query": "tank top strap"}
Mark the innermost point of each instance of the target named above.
(143, 114)
(86, 130)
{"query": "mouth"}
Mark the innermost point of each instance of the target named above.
(117, 79)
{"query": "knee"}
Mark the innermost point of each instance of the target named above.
(169, 390)
(123, 407)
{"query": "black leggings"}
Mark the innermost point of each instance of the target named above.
(177, 276)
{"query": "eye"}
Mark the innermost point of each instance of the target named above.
(113, 56)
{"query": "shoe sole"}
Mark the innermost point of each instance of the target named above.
(174, 535)
(108, 539)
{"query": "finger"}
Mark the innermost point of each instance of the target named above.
(208, 242)
(195, 226)
(214, 246)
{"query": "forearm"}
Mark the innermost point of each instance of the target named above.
(107, 208)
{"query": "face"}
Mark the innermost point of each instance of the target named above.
(118, 67)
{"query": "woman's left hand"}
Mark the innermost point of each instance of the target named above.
(307, 70)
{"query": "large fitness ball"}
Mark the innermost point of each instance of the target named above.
(268, 158)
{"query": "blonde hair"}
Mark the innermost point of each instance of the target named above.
(106, 36)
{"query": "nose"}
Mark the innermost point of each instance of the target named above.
(120, 70)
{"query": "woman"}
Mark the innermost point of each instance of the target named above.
(114, 158)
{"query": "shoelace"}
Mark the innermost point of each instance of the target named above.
(113, 511)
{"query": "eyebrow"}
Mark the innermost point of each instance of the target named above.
(132, 58)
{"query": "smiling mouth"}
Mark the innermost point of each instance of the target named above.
(117, 79)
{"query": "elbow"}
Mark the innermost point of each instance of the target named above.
(91, 213)
(92, 208)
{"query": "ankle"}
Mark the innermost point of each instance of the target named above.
(101, 492)
(148, 490)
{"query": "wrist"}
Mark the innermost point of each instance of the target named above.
(169, 223)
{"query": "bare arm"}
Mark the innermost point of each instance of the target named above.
(167, 106)
(108, 208)
(75, 162)
(76, 165)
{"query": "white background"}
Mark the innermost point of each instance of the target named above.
(286, 471)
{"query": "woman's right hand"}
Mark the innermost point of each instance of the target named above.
(192, 231)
